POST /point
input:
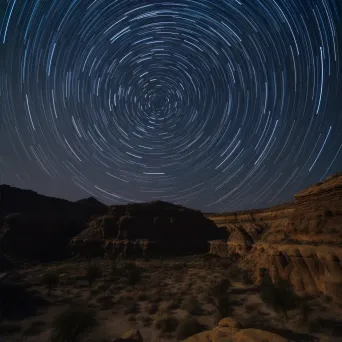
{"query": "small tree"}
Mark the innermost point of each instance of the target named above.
(93, 272)
(72, 323)
(50, 279)
(279, 296)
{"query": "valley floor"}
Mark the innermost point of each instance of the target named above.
(168, 292)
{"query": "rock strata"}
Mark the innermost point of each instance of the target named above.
(301, 242)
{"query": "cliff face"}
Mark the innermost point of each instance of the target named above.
(173, 229)
(301, 242)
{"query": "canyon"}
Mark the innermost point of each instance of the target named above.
(300, 241)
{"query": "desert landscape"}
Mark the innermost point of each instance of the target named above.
(161, 272)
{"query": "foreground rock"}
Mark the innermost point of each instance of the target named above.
(301, 241)
(229, 330)
(130, 336)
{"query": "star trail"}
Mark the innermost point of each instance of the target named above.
(214, 104)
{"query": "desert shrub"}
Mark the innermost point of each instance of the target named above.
(73, 323)
(142, 296)
(279, 296)
(328, 213)
(146, 321)
(247, 278)
(50, 279)
(93, 272)
(220, 288)
(152, 309)
(166, 323)
(133, 275)
(173, 305)
(218, 296)
(131, 308)
(106, 302)
(156, 297)
(192, 306)
(188, 327)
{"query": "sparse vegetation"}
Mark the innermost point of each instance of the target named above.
(72, 323)
(192, 306)
(166, 323)
(279, 296)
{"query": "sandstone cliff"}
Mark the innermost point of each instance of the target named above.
(301, 241)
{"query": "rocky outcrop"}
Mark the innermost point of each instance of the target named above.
(229, 329)
(40, 227)
(169, 229)
(301, 242)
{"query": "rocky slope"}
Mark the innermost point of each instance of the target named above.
(40, 227)
(162, 228)
(301, 241)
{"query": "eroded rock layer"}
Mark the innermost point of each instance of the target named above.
(170, 229)
(301, 241)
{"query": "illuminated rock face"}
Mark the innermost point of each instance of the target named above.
(301, 241)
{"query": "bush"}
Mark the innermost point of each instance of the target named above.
(279, 296)
(142, 296)
(50, 279)
(220, 288)
(247, 278)
(192, 306)
(166, 323)
(134, 276)
(219, 297)
(152, 309)
(93, 272)
(72, 323)
(188, 327)
(132, 308)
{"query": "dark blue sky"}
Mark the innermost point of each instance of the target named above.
(218, 105)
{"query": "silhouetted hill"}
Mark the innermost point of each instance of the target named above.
(41, 226)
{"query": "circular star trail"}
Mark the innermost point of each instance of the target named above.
(218, 105)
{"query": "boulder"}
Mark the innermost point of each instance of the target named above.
(130, 336)
(229, 330)
(256, 335)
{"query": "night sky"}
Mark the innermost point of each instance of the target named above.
(214, 104)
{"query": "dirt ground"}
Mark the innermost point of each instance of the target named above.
(165, 289)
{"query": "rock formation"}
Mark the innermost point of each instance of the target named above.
(230, 330)
(157, 228)
(301, 242)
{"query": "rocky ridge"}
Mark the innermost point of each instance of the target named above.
(301, 241)
(158, 227)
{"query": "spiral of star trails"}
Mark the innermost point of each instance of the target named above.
(214, 104)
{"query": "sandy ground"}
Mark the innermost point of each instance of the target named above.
(164, 288)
